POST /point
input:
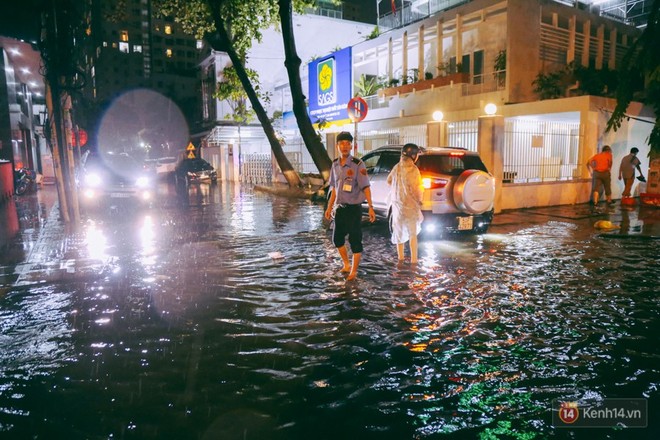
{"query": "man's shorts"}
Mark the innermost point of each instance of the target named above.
(348, 221)
(601, 178)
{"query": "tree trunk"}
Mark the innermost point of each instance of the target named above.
(291, 176)
(292, 62)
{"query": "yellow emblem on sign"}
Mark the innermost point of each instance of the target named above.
(190, 147)
(191, 155)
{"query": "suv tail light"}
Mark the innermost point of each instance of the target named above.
(433, 183)
(457, 153)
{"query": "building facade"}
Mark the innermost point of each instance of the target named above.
(22, 110)
(487, 51)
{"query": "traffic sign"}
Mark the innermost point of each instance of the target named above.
(357, 109)
(191, 155)
(190, 147)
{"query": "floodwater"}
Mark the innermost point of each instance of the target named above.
(175, 323)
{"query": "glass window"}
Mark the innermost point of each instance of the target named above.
(123, 47)
(199, 44)
(137, 48)
(371, 161)
(168, 29)
(123, 36)
(168, 53)
(387, 162)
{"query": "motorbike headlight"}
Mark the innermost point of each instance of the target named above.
(142, 182)
(93, 179)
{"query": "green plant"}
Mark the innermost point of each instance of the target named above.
(444, 69)
(366, 86)
(500, 68)
(428, 75)
(547, 86)
(374, 33)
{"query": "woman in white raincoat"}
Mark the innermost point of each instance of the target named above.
(406, 197)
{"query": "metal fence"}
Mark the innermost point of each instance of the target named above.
(256, 168)
(463, 134)
(541, 151)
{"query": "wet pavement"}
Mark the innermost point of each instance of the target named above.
(174, 322)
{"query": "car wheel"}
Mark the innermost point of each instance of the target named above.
(474, 192)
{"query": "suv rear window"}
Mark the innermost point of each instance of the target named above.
(449, 165)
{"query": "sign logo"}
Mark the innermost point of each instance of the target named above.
(327, 83)
(569, 412)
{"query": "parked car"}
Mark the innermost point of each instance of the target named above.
(458, 189)
(114, 176)
(165, 166)
(194, 171)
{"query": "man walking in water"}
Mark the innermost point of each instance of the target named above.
(350, 187)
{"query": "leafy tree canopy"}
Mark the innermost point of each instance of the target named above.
(643, 58)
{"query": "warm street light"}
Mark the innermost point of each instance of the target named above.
(438, 115)
(490, 109)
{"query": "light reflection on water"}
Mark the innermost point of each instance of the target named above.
(212, 338)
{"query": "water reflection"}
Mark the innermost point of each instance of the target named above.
(202, 333)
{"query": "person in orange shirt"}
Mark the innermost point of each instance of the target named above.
(600, 166)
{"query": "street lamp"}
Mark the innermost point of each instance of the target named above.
(490, 109)
(438, 116)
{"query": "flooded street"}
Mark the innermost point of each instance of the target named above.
(175, 323)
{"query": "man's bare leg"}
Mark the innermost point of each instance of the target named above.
(595, 197)
(343, 253)
(354, 268)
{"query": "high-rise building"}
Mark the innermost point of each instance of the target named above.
(133, 45)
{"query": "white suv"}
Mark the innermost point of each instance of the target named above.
(458, 189)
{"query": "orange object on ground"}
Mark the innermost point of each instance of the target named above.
(650, 199)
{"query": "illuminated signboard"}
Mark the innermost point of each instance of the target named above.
(330, 86)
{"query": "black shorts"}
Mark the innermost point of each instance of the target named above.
(348, 221)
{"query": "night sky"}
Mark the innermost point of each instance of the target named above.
(19, 19)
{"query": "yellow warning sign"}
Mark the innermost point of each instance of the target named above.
(190, 147)
(191, 155)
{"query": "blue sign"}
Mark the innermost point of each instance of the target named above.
(330, 86)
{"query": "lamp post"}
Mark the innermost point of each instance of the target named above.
(490, 142)
(436, 130)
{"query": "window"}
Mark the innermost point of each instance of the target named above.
(168, 53)
(114, 45)
(465, 66)
(199, 44)
(478, 71)
(168, 29)
(387, 162)
(137, 48)
(123, 36)
(123, 47)
(370, 163)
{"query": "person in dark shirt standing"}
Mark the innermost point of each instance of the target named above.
(627, 170)
(350, 187)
